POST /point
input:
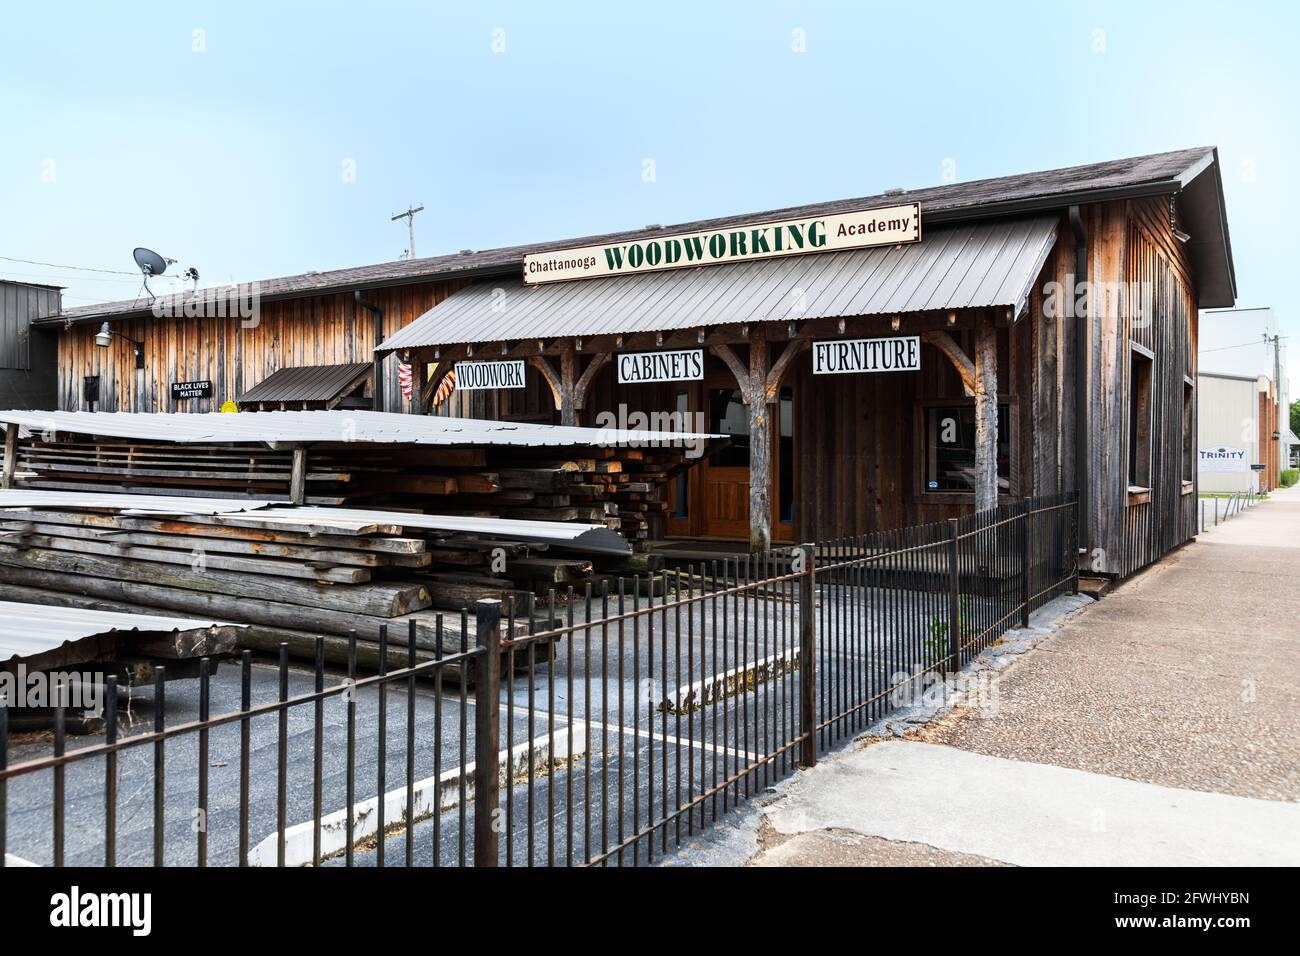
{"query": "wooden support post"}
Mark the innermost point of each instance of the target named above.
(986, 413)
(419, 374)
(568, 386)
(487, 732)
(753, 384)
(11, 456)
(298, 476)
(568, 390)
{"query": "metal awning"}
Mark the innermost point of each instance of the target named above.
(307, 385)
(334, 426)
(964, 267)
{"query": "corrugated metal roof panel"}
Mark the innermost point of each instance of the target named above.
(28, 629)
(333, 426)
(306, 383)
(965, 267)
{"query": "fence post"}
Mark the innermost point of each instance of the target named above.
(1024, 563)
(808, 656)
(487, 730)
(954, 598)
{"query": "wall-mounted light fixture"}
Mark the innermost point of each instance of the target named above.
(104, 338)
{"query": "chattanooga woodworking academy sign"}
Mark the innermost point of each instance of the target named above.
(686, 365)
(191, 390)
(886, 226)
(901, 353)
(481, 375)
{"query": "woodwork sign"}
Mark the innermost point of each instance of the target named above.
(1222, 460)
(184, 390)
(886, 226)
(477, 376)
(635, 368)
(900, 353)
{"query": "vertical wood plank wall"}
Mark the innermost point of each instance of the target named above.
(321, 330)
(1156, 264)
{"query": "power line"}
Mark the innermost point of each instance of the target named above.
(1264, 342)
(56, 265)
(46, 275)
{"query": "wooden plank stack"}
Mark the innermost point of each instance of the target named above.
(620, 488)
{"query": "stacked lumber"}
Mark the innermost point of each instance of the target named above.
(291, 584)
(619, 488)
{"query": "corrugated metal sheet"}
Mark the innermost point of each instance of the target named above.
(964, 267)
(333, 426)
(1157, 172)
(28, 629)
(139, 504)
(306, 383)
(20, 303)
(588, 537)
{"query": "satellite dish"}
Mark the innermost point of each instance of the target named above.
(150, 263)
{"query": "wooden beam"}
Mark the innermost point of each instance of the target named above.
(959, 359)
(11, 456)
(549, 375)
(598, 361)
(298, 476)
(781, 366)
(733, 362)
(760, 443)
(419, 375)
(446, 361)
(986, 412)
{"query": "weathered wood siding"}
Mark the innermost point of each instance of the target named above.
(1157, 264)
(235, 354)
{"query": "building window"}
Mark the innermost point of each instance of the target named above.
(950, 449)
(1139, 419)
(1189, 438)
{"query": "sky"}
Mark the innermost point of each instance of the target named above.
(259, 140)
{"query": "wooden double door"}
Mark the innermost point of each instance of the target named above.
(712, 499)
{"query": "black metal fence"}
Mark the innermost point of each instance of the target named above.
(607, 726)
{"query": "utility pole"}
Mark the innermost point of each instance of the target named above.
(409, 216)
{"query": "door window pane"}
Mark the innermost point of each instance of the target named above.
(728, 416)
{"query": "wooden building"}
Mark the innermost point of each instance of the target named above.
(878, 362)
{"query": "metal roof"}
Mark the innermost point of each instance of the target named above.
(963, 267)
(307, 383)
(332, 426)
(1154, 174)
(588, 537)
(29, 629)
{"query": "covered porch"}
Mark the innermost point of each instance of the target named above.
(862, 390)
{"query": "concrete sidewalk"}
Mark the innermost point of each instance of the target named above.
(1161, 726)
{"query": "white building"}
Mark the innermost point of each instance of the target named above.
(1236, 346)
